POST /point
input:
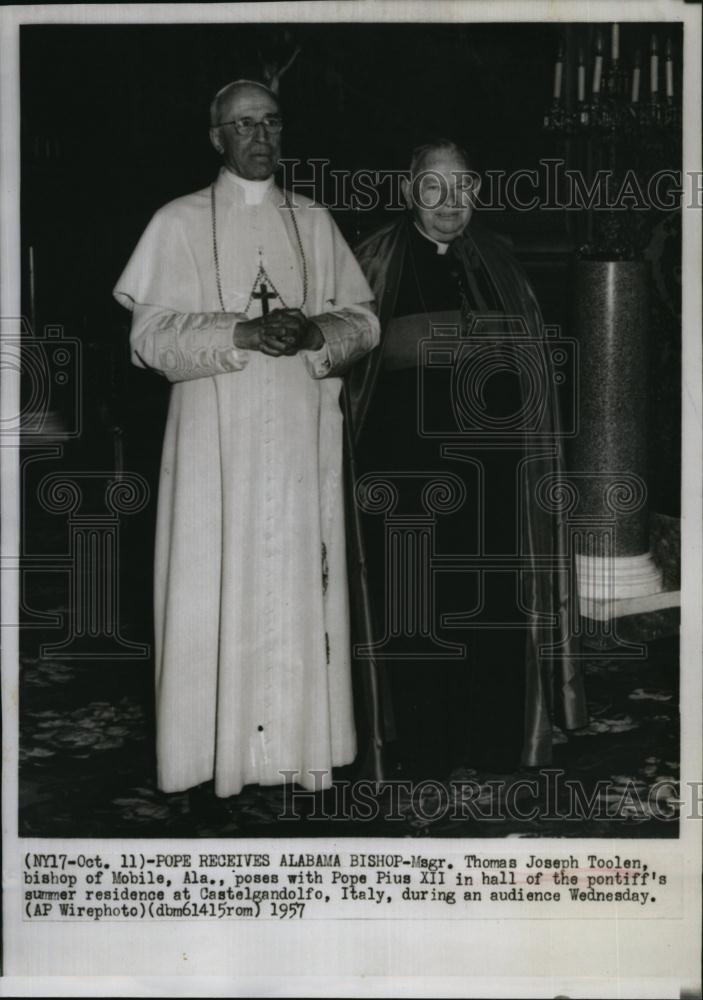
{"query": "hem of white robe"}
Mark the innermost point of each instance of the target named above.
(312, 779)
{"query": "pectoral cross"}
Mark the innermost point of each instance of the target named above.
(264, 294)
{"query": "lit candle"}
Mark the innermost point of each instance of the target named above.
(558, 73)
(669, 66)
(654, 66)
(636, 78)
(598, 64)
(581, 78)
(615, 42)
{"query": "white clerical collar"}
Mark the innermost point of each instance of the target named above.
(254, 191)
(441, 247)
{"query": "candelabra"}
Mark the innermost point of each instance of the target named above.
(618, 140)
(616, 137)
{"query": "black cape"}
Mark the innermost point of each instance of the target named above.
(554, 690)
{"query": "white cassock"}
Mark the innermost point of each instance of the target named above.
(253, 671)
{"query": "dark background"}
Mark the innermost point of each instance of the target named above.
(115, 123)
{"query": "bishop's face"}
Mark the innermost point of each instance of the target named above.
(254, 156)
(441, 195)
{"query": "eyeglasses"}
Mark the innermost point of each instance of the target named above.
(247, 126)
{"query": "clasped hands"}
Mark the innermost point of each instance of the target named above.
(281, 332)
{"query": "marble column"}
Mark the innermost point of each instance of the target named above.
(608, 460)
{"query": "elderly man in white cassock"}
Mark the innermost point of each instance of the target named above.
(250, 302)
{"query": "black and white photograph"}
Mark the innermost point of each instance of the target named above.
(206, 616)
(345, 357)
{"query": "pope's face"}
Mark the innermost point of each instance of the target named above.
(252, 156)
(441, 195)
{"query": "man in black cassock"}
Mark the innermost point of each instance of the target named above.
(495, 707)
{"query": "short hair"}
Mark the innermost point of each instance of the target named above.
(436, 145)
(224, 93)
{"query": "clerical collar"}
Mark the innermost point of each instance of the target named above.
(441, 247)
(254, 191)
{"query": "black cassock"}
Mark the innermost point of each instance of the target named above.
(494, 706)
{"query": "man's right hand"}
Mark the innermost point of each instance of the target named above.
(277, 334)
(248, 336)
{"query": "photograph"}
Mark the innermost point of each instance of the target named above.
(350, 471)
(351, 497)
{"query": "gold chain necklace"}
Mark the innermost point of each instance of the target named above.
(216, 257)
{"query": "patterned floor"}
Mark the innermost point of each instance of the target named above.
(87, 769)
